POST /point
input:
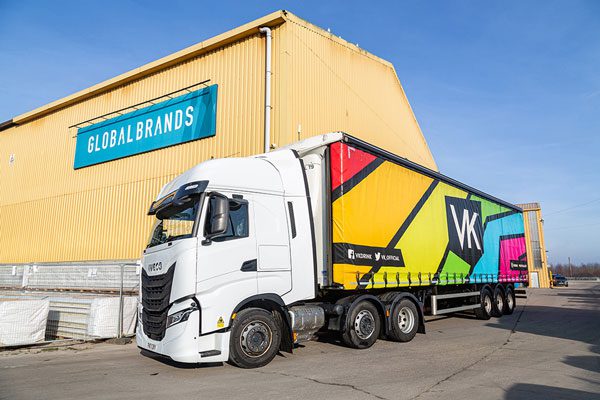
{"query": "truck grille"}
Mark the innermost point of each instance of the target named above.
(155, 324)
(156, 292)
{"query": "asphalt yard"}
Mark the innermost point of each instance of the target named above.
(548, 349)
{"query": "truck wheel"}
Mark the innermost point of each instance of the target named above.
(510, 303)
(485, 309)
(404, 321)
(255, 338)
(499, 301)
(362, 326)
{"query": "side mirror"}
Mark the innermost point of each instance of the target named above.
(218, 217)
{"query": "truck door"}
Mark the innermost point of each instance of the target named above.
(274, 266)
(227, 264)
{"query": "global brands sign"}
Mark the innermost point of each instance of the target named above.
(182, 119)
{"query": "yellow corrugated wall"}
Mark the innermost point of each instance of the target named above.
(51, 212)
(331, 85)
(536, 247)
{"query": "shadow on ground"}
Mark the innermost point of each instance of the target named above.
(590, 363)
(578, 324)
(330, 338)
(579, 321)
(171, 363)
(527, 391)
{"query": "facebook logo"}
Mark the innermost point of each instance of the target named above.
(465, 228)
(351, 254)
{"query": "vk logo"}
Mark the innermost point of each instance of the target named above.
(465, 229)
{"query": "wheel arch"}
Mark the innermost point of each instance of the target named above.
(502, 287)
(273, 303)
(487, 287)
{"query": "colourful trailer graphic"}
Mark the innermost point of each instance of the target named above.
(395, 226)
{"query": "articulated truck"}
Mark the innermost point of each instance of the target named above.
(250, 256)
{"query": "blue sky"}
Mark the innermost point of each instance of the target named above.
(507, 93)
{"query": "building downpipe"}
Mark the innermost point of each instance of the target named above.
(267, 31)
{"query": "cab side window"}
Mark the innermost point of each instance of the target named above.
(237, 226)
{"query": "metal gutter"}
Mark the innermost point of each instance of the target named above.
(268, 39)
(7, 124)
(271, 20)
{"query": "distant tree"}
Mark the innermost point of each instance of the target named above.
(581, 270)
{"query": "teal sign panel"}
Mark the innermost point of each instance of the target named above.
(191, 116)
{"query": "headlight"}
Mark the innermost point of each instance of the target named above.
(180, 316)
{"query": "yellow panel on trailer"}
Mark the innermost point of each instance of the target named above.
(397, 224)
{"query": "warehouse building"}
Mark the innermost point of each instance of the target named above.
(78, 175)
(537, 260)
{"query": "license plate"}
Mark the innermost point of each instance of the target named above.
(151, 346)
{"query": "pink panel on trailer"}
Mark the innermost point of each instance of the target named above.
(513, 259)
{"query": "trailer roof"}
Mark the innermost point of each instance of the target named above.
(312, 143)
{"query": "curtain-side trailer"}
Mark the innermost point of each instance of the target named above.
(249, 256)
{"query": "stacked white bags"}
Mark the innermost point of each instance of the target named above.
(103, 320)
(23, 321)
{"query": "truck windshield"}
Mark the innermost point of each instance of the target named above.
(174, 222)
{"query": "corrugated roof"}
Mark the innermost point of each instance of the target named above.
(530, 206)
(271, 20)
(205, 46)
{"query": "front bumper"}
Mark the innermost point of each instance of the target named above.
(183, 343)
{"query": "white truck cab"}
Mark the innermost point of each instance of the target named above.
(229, 233)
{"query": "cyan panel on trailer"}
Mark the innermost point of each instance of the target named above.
(495, 231)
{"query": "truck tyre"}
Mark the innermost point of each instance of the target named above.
(499, 302)
(484, 311)
(510, 301)
(363, 325)
(404, 321)
(255, 338)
